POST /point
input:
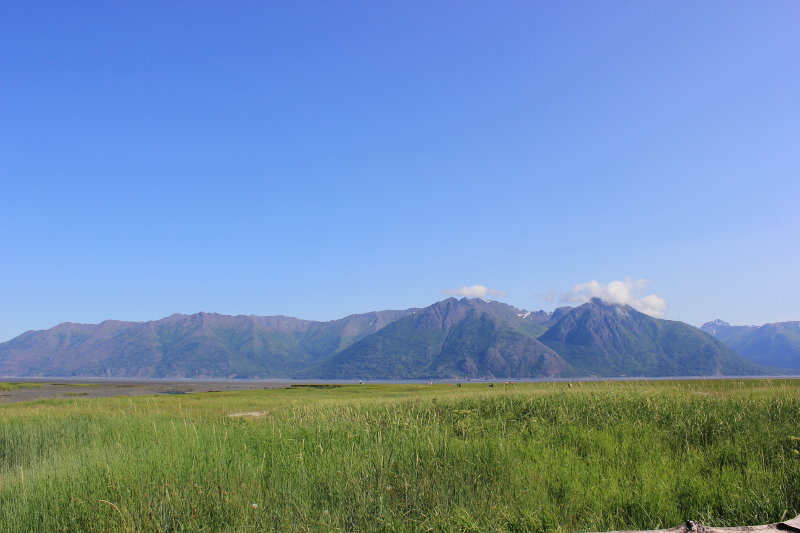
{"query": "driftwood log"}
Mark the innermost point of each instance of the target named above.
(792, 525)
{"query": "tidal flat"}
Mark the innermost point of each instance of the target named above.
(32, 389)
(583, 456)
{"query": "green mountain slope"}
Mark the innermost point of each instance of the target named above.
(604, 339)
(450, 339)
(199, 345)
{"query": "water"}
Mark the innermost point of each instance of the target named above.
(165, 381)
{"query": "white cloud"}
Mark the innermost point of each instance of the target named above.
(474, 291)
(620, 292)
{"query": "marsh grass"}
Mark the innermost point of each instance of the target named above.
(525, 457)
(12, 386)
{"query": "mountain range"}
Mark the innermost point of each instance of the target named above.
(776, 344)
(451, 339)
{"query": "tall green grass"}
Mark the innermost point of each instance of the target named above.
(539, 457)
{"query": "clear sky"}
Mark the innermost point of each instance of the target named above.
(318, 159)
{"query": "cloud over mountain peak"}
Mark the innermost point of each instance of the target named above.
(625, 292)
(474, 291)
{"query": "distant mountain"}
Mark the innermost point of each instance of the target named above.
(450, 339)
(776, 344)
(199, 345)
(730, 335)
(605, 339)
(543, 318)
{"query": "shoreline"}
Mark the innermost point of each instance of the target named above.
(61, 388)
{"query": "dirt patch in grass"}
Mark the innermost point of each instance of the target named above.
(248, 414)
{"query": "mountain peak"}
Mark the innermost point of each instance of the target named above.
(610, 339)
(469, 337)
(715, 323)
(600, 306)
(559, 313)
(776, 344)
(606, 304)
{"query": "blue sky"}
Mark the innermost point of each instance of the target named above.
(318, 159)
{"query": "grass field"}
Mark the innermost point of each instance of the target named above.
(524, 457)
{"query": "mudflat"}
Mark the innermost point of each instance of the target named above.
(54, 389)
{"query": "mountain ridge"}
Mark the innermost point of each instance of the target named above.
(453, 339)
(772, 344)
(230, 346)
(617, 340)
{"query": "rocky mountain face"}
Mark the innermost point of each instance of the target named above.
(450, 339)
(604, 339)
(453, 339)
(775, 344)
